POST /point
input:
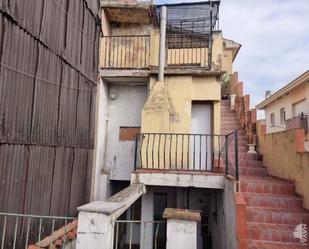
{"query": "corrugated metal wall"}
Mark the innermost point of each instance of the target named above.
(48, 76)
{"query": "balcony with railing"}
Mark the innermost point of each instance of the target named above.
(298, 122)
(125, 52)
(185, 154)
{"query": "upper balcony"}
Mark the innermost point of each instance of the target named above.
(131, 44)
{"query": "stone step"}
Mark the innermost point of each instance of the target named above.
(266, 186)
(280, 202)
(250, 163)
(270, 215)
(271, 232)
(252, 171)
(258, 244)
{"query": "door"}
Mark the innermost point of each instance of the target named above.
(201, 142)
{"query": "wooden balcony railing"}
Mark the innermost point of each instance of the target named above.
(125, 52)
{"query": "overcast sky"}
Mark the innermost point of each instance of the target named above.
(275, 41)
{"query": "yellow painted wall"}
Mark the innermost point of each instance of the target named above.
(168, 108)
(282, 160)
(175, 96)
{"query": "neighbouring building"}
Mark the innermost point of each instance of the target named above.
(288, 108)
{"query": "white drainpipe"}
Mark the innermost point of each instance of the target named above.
(162, 43)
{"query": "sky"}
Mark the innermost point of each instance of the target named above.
(274, 35)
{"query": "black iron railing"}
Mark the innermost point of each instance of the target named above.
(187, 152)
(125, 52)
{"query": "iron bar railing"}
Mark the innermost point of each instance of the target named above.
(21, 230)
(187, 152)
(125, 52)
(136, 234)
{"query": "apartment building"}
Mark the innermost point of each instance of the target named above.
(164, 132)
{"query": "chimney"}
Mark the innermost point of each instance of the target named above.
(267, 94)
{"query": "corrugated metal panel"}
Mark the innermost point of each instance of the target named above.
(62, 178)
(83, 106)
(13, 174)
(88, 51)
(46, 99)
(89, 177)
(74, 32)
(16, 89)
(39, 180)
(53, 30)
(79, 180)
(94, 6)
(67, 111)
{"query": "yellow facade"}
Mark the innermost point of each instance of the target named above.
(169, 103)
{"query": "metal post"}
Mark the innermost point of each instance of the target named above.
(135, 153)
(226, 155)
(210, 39)
(236, 155)
(162, 43)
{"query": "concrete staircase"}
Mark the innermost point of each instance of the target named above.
(273, 209)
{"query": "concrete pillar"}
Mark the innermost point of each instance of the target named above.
(181, 228)
(96, 220)
(147, 215)
(95, 230)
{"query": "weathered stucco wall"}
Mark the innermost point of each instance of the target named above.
(168, 108)
(282, 157)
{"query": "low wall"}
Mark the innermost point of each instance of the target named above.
(284, 156)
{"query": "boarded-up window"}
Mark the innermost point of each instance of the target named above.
(128, 133)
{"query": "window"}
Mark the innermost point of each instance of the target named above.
(282, 116)
(272, 119)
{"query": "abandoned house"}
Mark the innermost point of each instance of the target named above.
(144, 132)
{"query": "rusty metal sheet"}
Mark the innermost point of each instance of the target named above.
(67, 109)
(53, 27)
(46, 98)
(94, 6)
(47, 104)
(39, 180)
(16, 86)
(79, 180)
(13, 174)
(83, 113)
(62, 178)
(74, 33)
(89, 176)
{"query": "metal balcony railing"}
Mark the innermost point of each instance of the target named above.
(21, 230)
(300, 121)
(187, 152)
(125, 52)
(131, 233)
(185, 51)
